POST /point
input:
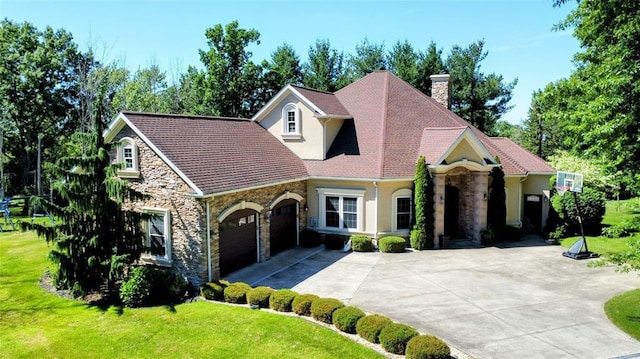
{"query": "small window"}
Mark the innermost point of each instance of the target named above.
(402, 210)
(291, 122)
(158, 241)
(128, 157)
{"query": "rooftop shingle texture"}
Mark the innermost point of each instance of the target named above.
(219, 154)
(515, 159)
(436, 142)
(326, 101)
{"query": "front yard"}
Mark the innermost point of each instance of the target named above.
(38, 324)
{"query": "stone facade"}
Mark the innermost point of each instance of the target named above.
(440, 89)
(265, 197)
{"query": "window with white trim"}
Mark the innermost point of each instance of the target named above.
(402, 210)
(128, 156)
(291, 122)
(341, 209)
(158, 237)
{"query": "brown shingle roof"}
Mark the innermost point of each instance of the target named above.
(515, 159)
(326, 101)
(436, 141)
(219, 154)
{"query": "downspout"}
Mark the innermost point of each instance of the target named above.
(297, 223)
(520, 195)
(209, 242)
(375, 213)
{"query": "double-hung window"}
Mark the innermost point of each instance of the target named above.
(128, 157)
(341, 209)
(158, 237)
(402, 210)
(291, 122)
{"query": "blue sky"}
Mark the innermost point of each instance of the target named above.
(518, 33)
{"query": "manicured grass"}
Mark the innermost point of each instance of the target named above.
(623, 310)
(38, 324)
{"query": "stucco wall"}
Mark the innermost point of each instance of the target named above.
(514, 203)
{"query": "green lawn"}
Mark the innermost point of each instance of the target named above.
(38, 324)
(623, 310)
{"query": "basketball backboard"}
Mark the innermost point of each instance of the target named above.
(568, 181)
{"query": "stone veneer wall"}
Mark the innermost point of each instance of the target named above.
(166, 190)
(461, 179)
(440, 90)
(262, 196)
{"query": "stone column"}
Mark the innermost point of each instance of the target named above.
(440, 90)
(480, 193)
(438, 204)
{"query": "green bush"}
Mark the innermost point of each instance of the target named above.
(310, 239)
(345, 318)
(618, 231)
(427, 347)
(146, 285)
(281, 300)
(214, 290)
(391, 244)
(592, 206)
(334, 241)
(394, 337)
(259, 296)
(360, 243)
(512, 233)
(301, 304)
(322, 309)
(369, 327)
(486, 237)
(236, 293)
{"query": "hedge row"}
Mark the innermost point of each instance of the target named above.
(394, 337)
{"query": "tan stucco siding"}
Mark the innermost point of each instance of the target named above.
(463, 151)
(332, 127)
(514, 203)
(310, 145)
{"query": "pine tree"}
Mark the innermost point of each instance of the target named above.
(94, 239)
(422, 233)
(497, 209)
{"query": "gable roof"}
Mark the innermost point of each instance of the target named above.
(323, 104)
(395, 123)
(214, 154)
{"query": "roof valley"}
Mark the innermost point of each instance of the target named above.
(383, 125)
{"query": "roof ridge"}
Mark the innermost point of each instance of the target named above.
(383, 125)
(312, 89)
(185, 116)
(448, 128)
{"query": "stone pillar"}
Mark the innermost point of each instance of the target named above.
(480, 193)
(440, 89)
(438, 204)
(264, 221)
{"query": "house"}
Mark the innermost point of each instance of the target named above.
(228, 192)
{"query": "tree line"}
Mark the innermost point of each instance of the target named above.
(49, 88)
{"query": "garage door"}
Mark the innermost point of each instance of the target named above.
(283, 230)
(238, 245)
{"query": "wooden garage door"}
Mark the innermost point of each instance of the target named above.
(283, 230)
(238, 245)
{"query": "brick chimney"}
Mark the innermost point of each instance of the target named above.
(440, 90)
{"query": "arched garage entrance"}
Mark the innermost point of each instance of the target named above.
(283, 232)
(238, 240)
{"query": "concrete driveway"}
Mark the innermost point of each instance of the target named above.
(521, 300)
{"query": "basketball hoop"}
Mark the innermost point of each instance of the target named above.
(562, 189)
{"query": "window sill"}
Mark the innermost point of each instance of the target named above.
(291, 136)
(128, 174)
(155, 260)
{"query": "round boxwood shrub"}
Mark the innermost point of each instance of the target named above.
(334, 241)
(361, 243)
(395, 336)
(427, 347)
(146, 285)
(345, 318)
(391, 244)
(214, 290)
(236, 293)
(301, 304)
(322, 309)
(259, 296)
(281, 300)
(369, 327)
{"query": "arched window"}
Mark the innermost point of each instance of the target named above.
(291, 121)
(128, 156)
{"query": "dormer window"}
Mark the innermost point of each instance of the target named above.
(128, 157)
(291, 122)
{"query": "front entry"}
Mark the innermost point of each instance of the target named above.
(451, 211)
(238, 241)
(283, 231)
(532, 217)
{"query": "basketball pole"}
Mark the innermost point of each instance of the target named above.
(584, 240)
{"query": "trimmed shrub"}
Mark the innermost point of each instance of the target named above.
(592, 206)
(345, 318)
(392, 244)
(301, 304)
(259, 296)
(512, 233)
(395, 336)
(334, 241)
(427, 347)
(281, 300)
(322, 309)
(369, 327)
(310, 239)
(146, 285)
(236, 293)
(214, 290)
(360, 243)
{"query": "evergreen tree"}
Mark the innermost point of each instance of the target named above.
(94, 239)
(497, 208)
(422, 233)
